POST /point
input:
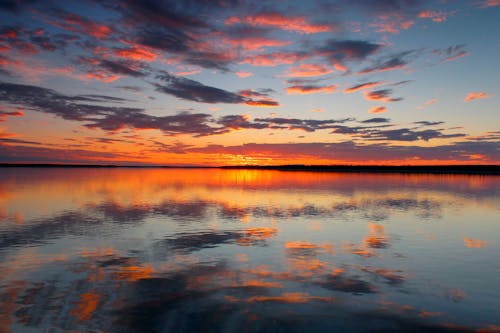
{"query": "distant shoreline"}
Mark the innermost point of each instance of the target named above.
(429, 169)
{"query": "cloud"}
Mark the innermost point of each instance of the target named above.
(255, 43)
(311, 89)
(195, 91)
(382, 95)
(427, 103)
(375, 120)
(476, 95)
(428, 123)
(280, 21)
(108, 118)
(391, 62)
(308, 70)
(436, 16)
(378, 109)
(362, 153)
(451, 53)
(340, 51)
(77, 23)
(5, 114)
(489, 3)
(273, 59)
(111, 70)
(243, 74)
(362, 86)
(136, 53)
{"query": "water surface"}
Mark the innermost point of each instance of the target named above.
(208, 250)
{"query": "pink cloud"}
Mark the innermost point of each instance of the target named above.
(273, 59)
(243, 74)
(436, 16)
(74, 22)
(429, 102)
(476, 95)
(280, 21)
(255, 43)
(188, 72)
(136, 53)
(489, 3)
(309, 70)
(392, 23)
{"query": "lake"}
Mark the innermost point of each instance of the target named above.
(212, 250)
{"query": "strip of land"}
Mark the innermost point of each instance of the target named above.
(430, 169)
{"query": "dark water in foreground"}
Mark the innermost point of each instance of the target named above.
(160, 250)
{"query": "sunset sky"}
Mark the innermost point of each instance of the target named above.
(201, 82)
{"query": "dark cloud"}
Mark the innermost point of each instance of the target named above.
(105, 68)
(191, 90)
(376, 120)
(124, 67)
(338, 51)
(130, 88)
(381, 95)
(452, 52)
(391, 62)
(15, 6)
(18, 141)
(405, 134)
(108, 118)
(428, 123)
(350, 151)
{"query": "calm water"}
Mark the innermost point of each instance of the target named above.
(159, 250)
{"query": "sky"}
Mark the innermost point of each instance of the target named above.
(230, 82)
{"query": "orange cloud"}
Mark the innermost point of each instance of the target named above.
(4, 115)
(263, 103)
(378, 109)
(293, 23)
(474, 243)
(304, 90)
(309, 70)
(476, 95)
(243, 74)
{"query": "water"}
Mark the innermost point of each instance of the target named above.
(207, 250)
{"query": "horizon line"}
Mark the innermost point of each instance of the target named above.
(486, 169)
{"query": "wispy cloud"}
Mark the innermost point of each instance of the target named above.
(278, 20)
(476, 95)
(311, 89)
